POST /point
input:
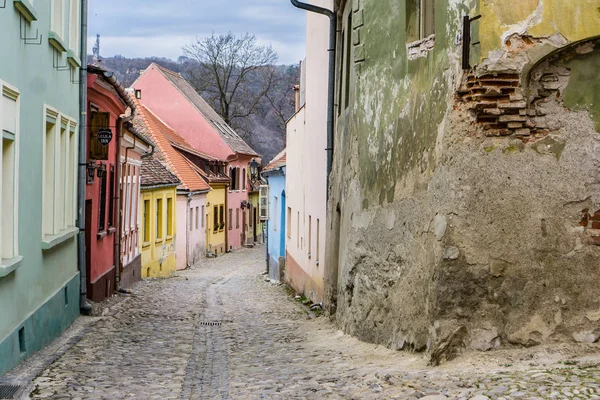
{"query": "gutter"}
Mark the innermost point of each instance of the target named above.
(331, 78)
(84, 306)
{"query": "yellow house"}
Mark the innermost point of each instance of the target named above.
(157, 214)
(216, 220)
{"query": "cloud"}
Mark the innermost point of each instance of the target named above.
(144, 28)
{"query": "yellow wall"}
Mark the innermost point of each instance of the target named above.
(215, 241)
(575, 20)
(158, 253)
(254, 198)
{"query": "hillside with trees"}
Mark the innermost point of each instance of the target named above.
(259, 97)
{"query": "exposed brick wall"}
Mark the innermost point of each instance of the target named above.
(498, 103)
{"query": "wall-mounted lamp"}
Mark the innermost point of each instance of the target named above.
(254, 168)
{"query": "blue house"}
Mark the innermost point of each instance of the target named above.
(276, 226)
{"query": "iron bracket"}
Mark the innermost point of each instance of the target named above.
(36, 40)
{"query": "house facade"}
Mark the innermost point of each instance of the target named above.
(275, 173)
(106, 110)
(463, 201)
(39, 122)
(306, 166)
(255, 232)
(178, 104)
(157, 220)
(134, 148)
(190, 247)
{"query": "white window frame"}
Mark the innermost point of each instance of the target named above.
(58, 26)
(9, 252)
(58, 214)
(74, 25)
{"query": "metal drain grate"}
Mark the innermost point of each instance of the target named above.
(8, 391)
(214, 323)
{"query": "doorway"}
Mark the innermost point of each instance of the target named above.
(88, 246)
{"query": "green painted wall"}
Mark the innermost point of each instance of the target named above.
(583, 91)
(25, 294)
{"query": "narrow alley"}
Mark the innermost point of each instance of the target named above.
(222, 331)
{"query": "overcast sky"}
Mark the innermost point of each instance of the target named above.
(144, 28)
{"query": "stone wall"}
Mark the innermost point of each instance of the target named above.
(463, 203)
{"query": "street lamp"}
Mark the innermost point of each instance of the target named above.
(254, 169)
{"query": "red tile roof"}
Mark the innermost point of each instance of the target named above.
(148, 123)
(277, 162)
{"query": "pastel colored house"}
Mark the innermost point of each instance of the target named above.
(306, 171)
(39, 121)
(191, 193)
(134, 148)
(176, 102)
(275, 172)
(255, 231)
(158, 222)
(107, 105)
(212, 218)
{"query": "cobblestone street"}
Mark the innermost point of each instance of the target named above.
(221, 331)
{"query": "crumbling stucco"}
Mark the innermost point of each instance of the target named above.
(446, 236)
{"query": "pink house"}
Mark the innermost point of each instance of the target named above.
(177, 103)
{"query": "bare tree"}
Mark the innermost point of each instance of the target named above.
(236, 73)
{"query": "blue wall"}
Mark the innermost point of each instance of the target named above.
(276, 229)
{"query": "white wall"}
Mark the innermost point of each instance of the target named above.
(306, 183)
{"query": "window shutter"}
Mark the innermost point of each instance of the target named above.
(264, 202)
(98, 120)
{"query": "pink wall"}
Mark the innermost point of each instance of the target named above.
(165, 100)
(102, 248)
(191, 241)
(234, 201)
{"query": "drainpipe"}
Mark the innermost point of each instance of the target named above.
(84, 306)
(187, 230)
(331, 77)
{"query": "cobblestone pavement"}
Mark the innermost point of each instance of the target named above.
(221, 331)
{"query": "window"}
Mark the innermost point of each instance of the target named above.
(289, 222)
(298, 230)
(309, 235)
(237, 218)
(215, 218)
(170, 216)
(9, 128)
(198, 215)
(74, 26)
(250, 210)
(318, 237)
(159, 219)
(420, 19)
(244, 179)
(111, 198)
(102, 199)
(230, 219)
(58, 18)
(221, 217)
(191, 221)
(233, 174)
(59, 173)
(146, 221)
(275, 212)
(202, 216)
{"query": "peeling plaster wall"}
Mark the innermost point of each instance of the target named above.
(440, 235)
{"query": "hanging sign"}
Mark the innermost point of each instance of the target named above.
(104, 136)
